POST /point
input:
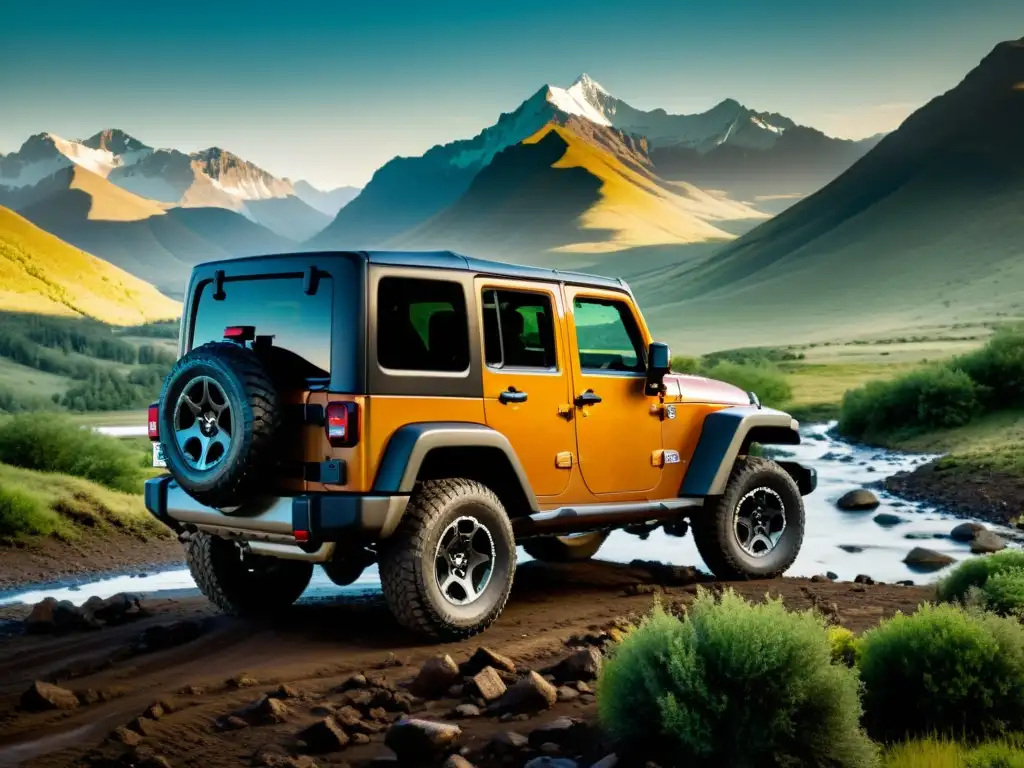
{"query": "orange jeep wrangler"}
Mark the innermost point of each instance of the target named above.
(429, 412)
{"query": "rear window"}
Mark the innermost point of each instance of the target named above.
(278, 307)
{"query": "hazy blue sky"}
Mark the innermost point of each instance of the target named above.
(328, 90)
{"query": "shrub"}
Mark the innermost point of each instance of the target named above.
(22, 513)
(734, 684)
(945, 753)
(684, 364)
(54, 443)
(995, 755)
(995, 582)
(767, 381)
(844, 645)
(943, 670)
(998, 368)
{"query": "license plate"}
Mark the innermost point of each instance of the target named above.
(158, 456)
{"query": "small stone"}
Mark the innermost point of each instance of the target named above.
(413, 740)
(232, 723)
(485, 657)
(853, 549)
(642, 589)
(584, 664)
(818, 578)
(274, 756)
(986, 542)
(285, 691)
(43, 696)
(830, 575)
(582, 687)
(570, 734)
(887, 519)
(355, 681)
(268, 710)
(467, 710)
(193, 690)
(531, 694)
(126, 736)
(862, 578)
(858, 500)
(360, 738)
(610, 761)
(378, 713)
(547, 748)
(966, 532)
(507, 743)
(324, 736)
(457, 761)
(905, 583)
(457, 691)
(435, 677)
(565, 693)
(488, 685)
(391, 660)
(242, 681)
(927, 559)
(142, 725)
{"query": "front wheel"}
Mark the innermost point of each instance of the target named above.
(755, 529)
(447, 570)
(565, 549)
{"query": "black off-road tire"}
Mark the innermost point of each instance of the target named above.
(256, 416)
(565, 549)
(249, 586)
(407, 567)
(714, 531)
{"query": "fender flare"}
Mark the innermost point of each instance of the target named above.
(408, 447)
(726, 435)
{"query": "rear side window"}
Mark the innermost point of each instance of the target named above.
(278, 307)
(518, 330)
(422, 325)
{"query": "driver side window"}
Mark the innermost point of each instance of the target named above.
(607, 336)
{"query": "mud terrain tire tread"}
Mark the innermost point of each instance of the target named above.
(218, 573)
(557, 549)
(402, 557)
(712, 528)
(261, 418)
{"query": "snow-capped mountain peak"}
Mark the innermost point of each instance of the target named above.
(44, 154)
(586, 85)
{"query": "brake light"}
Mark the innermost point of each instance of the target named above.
(342, 424)
(240, 333)
(154, 422)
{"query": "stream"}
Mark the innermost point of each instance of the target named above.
(879, 550)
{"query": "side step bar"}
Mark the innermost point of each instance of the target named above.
(579, 519)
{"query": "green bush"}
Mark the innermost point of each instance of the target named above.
(995, 755)
(946, 753)
(734, 684)
(22, 513)
(994, 582)
(843, 644)
(943, 670)
(54, 443)
(931, 398)
(765, 380)
(684, 364)
(998, 368)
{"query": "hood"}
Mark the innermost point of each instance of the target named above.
(697, 389)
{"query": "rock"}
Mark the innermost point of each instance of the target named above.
(242, 681)
(986, 542)
(531, 694)
(888, 519)
(126, 736)
(918, 535)
(163, 636)
(232, 723)
(642, 589)
(551, 762)
(584, 664)
(507, 743)
(858, 500)
(582, 687)
(152, 761)
(966, 532)
(853, 549)
(116, 608)
(818, 578)
(379, 714)
(142, 725)
(457, 761)
(360, 738)
(863, 578)
(467, 710)
(324, 736)
(274, 756)
(285, 691)
(435, 677)
(831, 576)
(570, 734)
(905, 583)
(157, 709)
(193, 690)
(355, 681)
(349, 718)
(485, 657)
(264, 710)
(457, 691)
(927, 559)
(488, 685)
(50, 617)
(565, 693)
(43, 696)
(610, 761)
(413, 740)
(391, 660)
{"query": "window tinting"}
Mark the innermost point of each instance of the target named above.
(607, 336)
(422, 325)
(278, 307)
(518, 330)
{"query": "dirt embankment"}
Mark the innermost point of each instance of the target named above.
(207, 668)
(996, 497)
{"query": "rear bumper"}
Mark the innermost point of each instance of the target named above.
(269, 525)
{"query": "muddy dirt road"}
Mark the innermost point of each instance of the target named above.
(190, 654)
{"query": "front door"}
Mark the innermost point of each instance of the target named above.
(617, 433)
(526, 381)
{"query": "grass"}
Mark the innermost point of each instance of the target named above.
(37, 504)
(27, 382)
(818, 388)
(994, 442)
(945, 753)
(135, 418)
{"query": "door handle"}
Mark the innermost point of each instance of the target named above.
(587, 398)
(510, 395)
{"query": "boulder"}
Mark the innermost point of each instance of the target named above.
(888, 519)
(584, 664)
(485, 657)
(115, 609)
(927, 559)
(531, 694)
(52, 617)
(565, 693)
(859, 500)
(324, 736)
(435, 677)
(488, 685)
(966, 532)
(863, 578)
(265, 710)
(987, 541)
(414, 740)
(43, 696)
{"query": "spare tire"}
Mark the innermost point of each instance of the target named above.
(219, 416)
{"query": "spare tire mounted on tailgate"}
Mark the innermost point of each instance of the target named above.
(219, 414)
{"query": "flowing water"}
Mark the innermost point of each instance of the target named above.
(841, 467)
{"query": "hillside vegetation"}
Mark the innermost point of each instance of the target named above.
(40, 273)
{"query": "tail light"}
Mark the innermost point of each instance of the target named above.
(240, 333)
(342, 424)
(154, 422)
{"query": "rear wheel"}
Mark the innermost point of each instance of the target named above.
(447, 570)
(565, 549)
(755, 529)
(241, 583)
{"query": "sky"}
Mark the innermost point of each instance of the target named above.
(329, 90)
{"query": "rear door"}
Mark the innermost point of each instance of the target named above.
(525, 377)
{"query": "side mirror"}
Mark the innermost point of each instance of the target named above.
(659, 363)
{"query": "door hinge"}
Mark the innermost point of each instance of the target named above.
(663, 411)
(563, 460)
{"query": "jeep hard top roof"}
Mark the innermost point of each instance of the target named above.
(434, 260)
